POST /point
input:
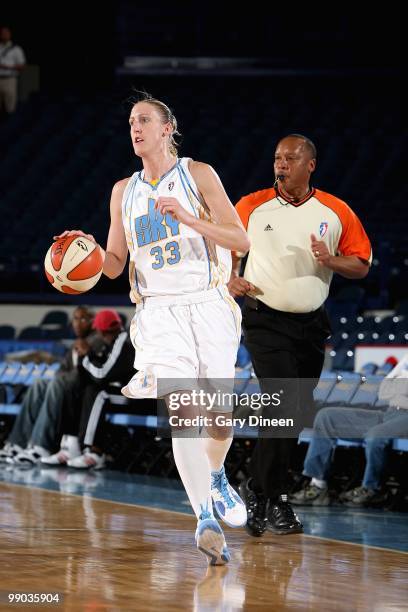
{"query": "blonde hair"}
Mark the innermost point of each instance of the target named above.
(166, 116)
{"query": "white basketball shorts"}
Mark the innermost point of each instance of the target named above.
(183, 338)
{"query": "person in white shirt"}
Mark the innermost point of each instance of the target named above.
(12, 62)
(377, 428)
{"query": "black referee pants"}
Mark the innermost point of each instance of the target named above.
(287, 351)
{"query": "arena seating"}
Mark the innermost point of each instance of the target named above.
(68, 182)
(347, 389)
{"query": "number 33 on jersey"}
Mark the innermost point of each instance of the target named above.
(166, 256)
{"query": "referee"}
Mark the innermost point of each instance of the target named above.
(299, 236)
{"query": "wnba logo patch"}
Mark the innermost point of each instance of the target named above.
(146, 380)
(323, 228)
(171, 185)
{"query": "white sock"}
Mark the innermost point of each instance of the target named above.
(216, 451)
(195, 472)
(321, 484)
(71, 444)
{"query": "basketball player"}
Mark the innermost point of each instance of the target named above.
(179, 227)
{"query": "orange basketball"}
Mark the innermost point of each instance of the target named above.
(73, 264)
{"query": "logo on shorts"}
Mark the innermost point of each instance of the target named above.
(268, 228)
(146, 381)
(171, 185)
(323, 228)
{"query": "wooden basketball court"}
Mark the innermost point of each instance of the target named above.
(102, 555)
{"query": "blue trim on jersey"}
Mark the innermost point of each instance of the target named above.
(187, 194)
(154, 187)
(190, 187)
(130, 224)
(196, 215)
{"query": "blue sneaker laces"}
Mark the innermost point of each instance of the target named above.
(220, 482)
(205, 513)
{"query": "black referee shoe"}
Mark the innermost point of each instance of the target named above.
(281, 519)
(256, 509)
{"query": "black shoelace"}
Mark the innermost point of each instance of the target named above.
(283, 510)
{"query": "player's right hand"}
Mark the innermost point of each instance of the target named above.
(74, 232)
(238, 286)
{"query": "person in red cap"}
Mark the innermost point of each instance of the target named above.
(107, 320)
(113, 363)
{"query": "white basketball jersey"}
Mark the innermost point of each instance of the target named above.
(167, 257)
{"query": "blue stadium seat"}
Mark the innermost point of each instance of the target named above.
(342, 339)
(344, 389)
(11, 346)
(252, 386)
(12, 409)
(3, 366)
(324, 387)
(50, 371)
(340, 323)
(358, 337)
(342, 359)
(368, 369)
(36, 373)
(242, 376)
(384, 369)
(58, 333)
(55, 317)
(349, 375)
(32, 332)
(133, 420)
(400, 444)
(388, 337)
(307, 434)
(10, 372)
(23, 374)
(367, 393)
(243, 357)
(386, 324)
(7, 332)
(380, 404)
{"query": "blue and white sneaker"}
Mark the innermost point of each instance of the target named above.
(210, 540)
(228, 504)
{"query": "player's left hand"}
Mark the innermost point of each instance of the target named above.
(74, 233)
(173, 207)
(320, 251)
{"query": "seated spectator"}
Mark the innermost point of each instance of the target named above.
(83, 421)
(377, 428)
(36, 430)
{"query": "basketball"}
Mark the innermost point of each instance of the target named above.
(73, 264)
